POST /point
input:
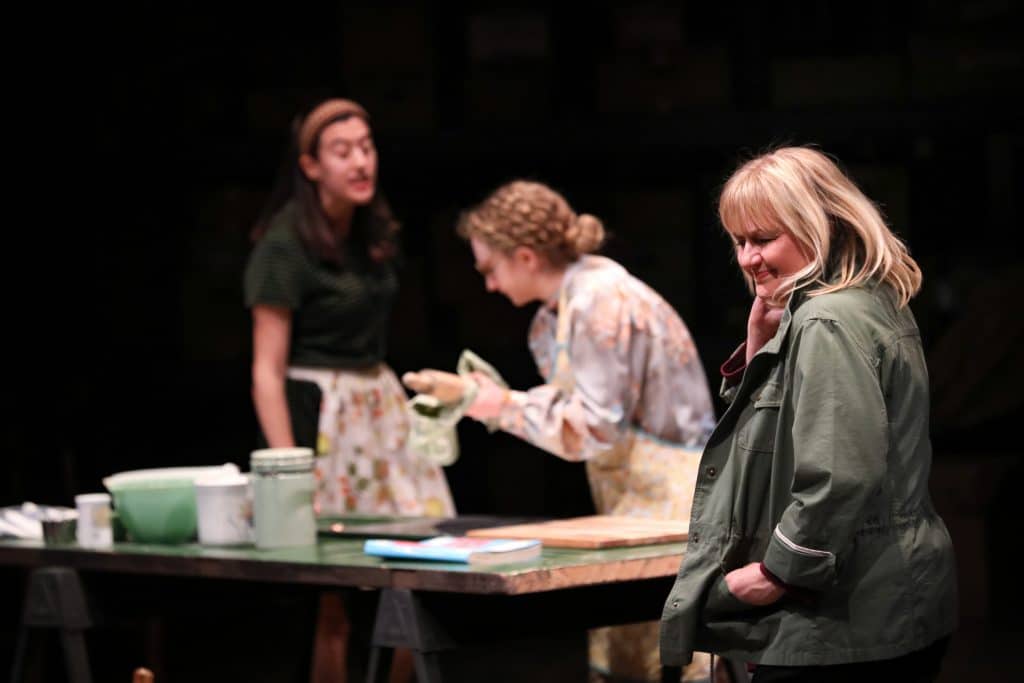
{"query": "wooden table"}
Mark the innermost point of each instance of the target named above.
(439, 610)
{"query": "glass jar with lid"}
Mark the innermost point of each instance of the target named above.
(282, 492)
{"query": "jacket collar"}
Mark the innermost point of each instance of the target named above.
(774, 345)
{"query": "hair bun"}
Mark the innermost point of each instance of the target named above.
(585, 235)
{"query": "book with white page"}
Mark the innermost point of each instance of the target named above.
(477, 551)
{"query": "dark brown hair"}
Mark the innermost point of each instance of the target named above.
(375, 230)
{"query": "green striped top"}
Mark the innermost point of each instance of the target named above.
(339, 314)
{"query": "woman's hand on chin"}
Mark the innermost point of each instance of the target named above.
(762, 324)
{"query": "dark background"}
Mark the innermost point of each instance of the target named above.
(162, 128)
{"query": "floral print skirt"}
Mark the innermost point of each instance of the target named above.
(364, 464)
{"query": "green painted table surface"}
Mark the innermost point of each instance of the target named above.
(530, 616)
(341, 562)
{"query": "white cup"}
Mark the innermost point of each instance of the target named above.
(224, 507)
(94, 529)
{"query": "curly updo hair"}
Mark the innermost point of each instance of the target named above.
(530, 214)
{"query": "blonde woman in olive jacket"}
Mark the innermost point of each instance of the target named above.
(815, 552)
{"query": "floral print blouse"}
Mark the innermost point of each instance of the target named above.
(634, 367)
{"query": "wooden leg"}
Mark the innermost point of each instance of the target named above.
(402, 665)
(330, 647)
(153, 645)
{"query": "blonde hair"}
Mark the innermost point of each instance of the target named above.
(529, 214)
(802, 192)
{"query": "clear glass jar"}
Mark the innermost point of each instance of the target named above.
(282, 497)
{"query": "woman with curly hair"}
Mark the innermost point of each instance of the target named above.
(625, 390)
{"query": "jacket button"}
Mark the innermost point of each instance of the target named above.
(694, 537)
(712, 472)
(675, 603)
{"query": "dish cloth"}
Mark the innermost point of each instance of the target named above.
(433, 433)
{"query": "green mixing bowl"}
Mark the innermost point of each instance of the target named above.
(159, 505)
(157, 511)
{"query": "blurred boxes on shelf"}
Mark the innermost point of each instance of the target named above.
(691, 80)
(396, 81)
(965, 64)
(652, 69)
(508, 35)
(509, 68)
(508, 93)
(821, 80)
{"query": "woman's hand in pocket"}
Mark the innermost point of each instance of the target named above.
(751, 586)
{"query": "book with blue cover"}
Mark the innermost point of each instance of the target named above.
(477, 551)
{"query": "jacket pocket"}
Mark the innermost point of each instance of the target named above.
(728, 623)
(758, 433)
(721, 601)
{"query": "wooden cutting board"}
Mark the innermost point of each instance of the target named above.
(594, 531)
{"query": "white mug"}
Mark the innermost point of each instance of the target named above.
(224, 508)
(94, 528)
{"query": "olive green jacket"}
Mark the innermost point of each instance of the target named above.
(819, 468)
